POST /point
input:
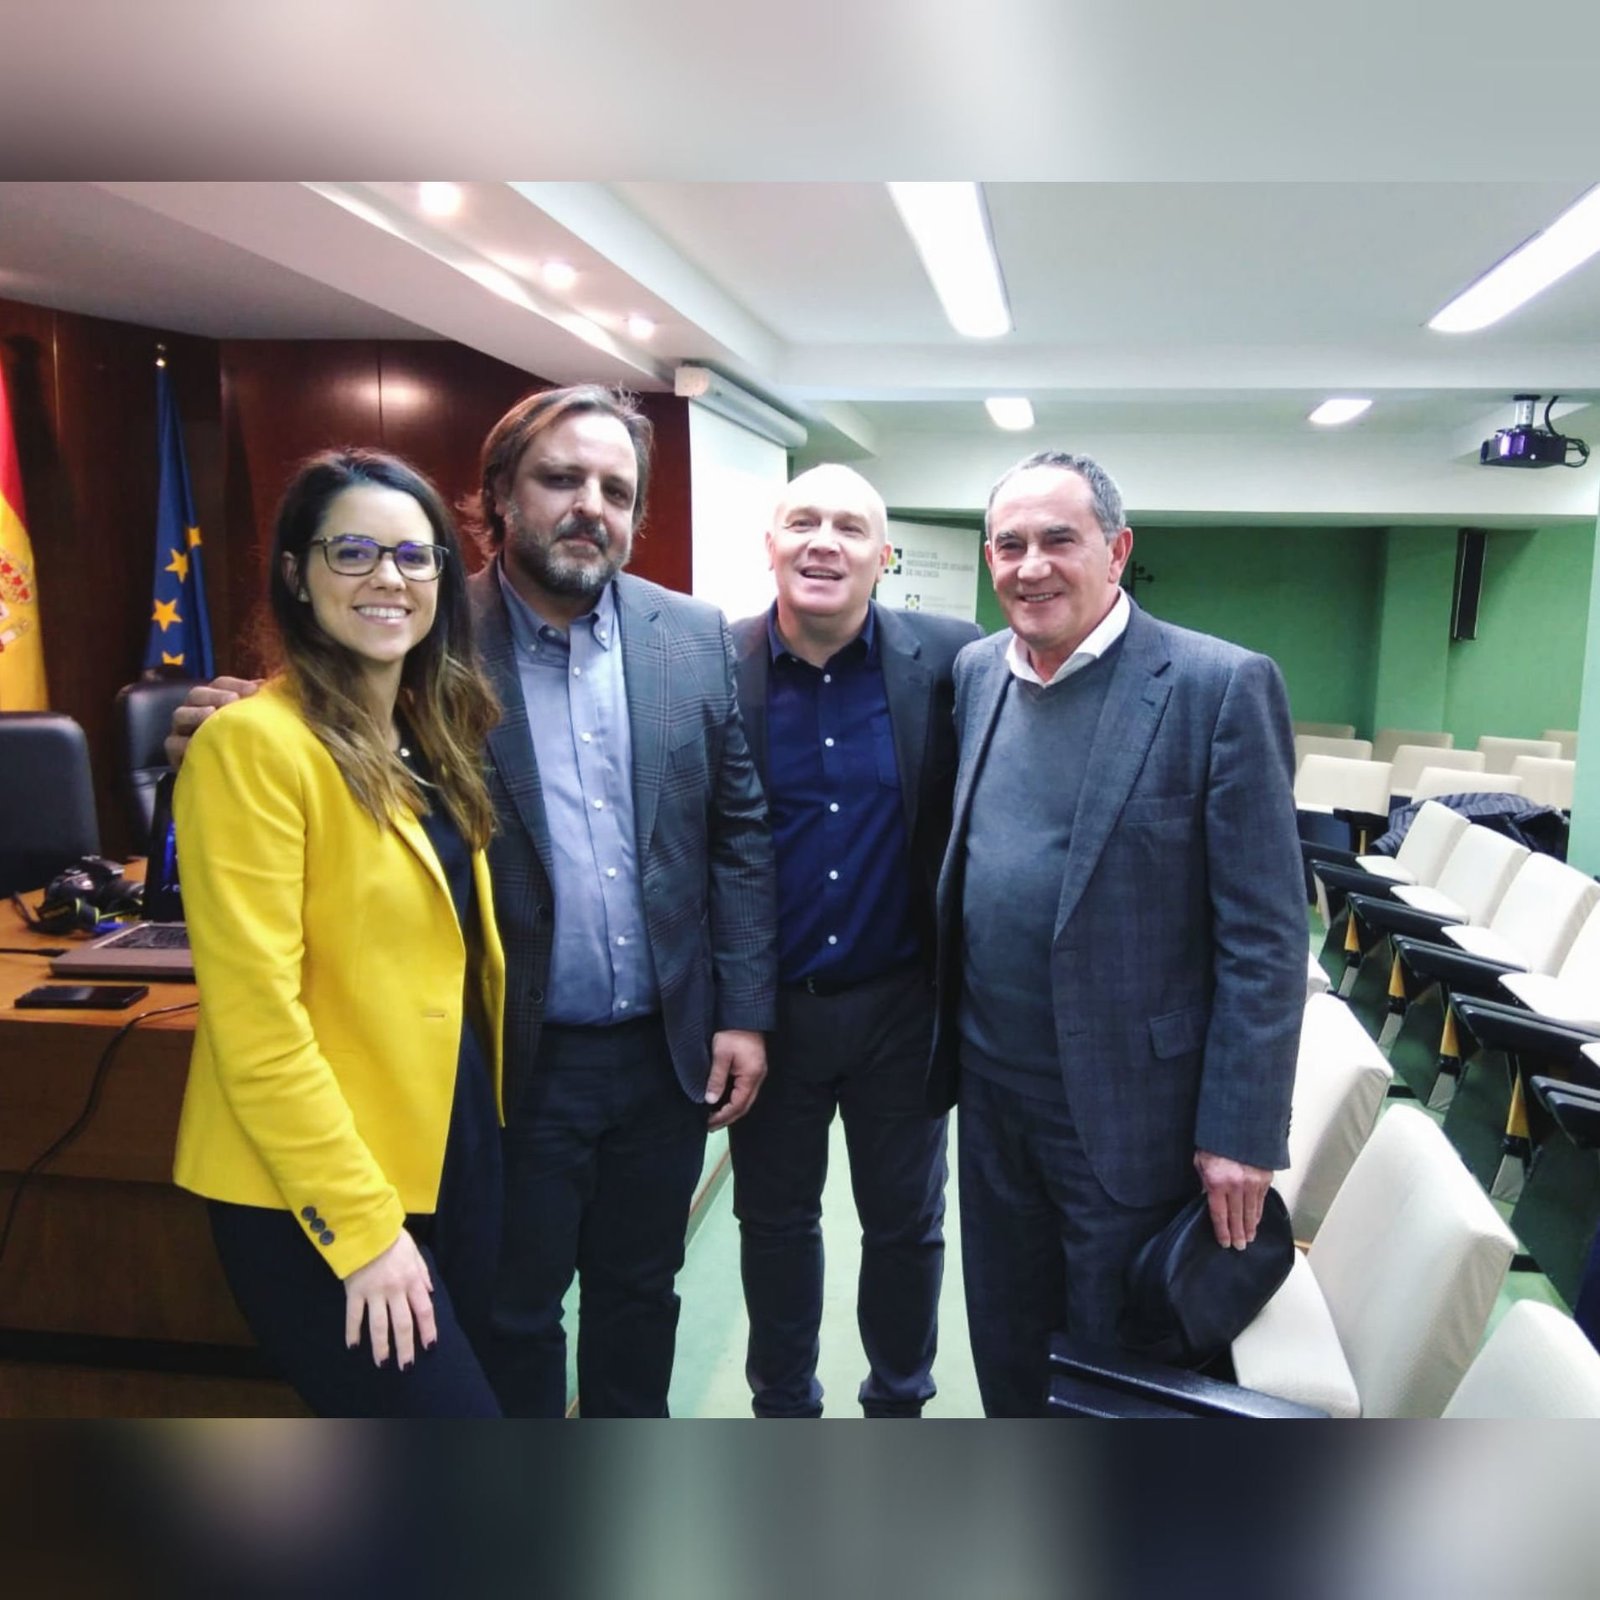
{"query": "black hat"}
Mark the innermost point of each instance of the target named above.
(1188, 1297)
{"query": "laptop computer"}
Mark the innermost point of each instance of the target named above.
(157, 946)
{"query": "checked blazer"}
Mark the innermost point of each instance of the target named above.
(917, 651)
(1177, 966)
(704, 848)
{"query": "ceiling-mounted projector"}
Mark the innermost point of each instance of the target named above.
(1524, 445)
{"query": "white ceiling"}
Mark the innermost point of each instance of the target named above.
(1245, 212)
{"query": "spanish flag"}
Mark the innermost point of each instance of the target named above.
(22, 685)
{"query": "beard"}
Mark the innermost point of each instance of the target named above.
(554, 566)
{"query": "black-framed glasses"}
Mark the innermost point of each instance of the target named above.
(353, 555)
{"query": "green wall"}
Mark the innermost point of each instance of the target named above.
(1524, 671)
(1304, 596)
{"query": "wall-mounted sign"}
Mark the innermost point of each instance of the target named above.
(932, 569)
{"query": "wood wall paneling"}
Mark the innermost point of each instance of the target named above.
(664, 549)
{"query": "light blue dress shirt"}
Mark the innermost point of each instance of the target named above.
(601, 971)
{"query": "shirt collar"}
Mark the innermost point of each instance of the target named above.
(1101, 637)
(868, 637)
(529, 630)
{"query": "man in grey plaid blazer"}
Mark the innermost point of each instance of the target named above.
(634, 894)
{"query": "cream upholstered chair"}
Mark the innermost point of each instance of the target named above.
(1474, 878)
(1338, 783)
(1387, 740)
(1499, 753)
(1340, 1082)
(1327, 730)
(1410, 761)
(1572, 996)
(1537, 920)
(1567, 738)
(1382, 1315)
(1316, 744)
(1537, 1363)
(1433, 834)
(1545, 780)
(1448, 780)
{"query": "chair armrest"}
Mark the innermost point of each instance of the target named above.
(1393, 916)
(1090, 1380)
(1354, 880)
(1518, 1032)
(1458, 970)
(1576, 1109)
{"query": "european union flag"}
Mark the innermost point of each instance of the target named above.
(180, 630)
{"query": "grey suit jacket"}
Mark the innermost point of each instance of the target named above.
(705, 851)
(1177, 968)
(917, 651)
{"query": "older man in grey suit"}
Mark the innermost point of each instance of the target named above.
(1122, 932)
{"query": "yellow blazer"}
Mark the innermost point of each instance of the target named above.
(331, 968)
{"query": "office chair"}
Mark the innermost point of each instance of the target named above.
(143, 717)
(47, 816)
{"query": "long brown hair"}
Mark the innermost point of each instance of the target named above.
(444, 695)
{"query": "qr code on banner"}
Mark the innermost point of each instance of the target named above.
(911, 602)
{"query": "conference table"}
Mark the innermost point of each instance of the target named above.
(112, 1302)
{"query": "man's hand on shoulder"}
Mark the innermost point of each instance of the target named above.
(200, 702)
(1236, 1193)
(738, 1064)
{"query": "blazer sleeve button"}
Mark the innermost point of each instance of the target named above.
(308, 1212)
(325, 1237)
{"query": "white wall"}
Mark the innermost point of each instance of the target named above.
(735, 480)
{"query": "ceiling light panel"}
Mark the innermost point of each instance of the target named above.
(1332, 412)
(1568, 242)
(439, 199)
(1012, 412)
(949, 225)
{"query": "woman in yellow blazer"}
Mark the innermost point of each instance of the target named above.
(343, 1105)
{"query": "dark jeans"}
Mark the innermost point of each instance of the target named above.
(1044, 1248)
(602, 1154)
(864, 1052)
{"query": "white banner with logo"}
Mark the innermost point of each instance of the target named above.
(932, 569)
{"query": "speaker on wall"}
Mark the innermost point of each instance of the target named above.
(1469, 583)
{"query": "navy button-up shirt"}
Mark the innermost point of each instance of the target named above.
(601, 969)
(838, 824)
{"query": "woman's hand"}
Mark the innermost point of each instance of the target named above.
(395, 1294)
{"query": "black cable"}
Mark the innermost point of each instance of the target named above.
(1570, 441)
(81, 1121)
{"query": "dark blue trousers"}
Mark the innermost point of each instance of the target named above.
(1044, 1248)
(863, 1053)
(602, 1154)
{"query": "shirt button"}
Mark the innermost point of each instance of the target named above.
(833, 805)
(622, 938)
(833, 938)
(829, 743)
(577, 672)
(833, 877)
(827, 677)
(611, 872)
(622, 1005)
(586, 737)
(599, 805)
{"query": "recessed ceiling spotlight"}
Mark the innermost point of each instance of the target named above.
(1332, 412)
(640, 327)
(949, 225)
(1568, 242)
(559, 275)
(439, 199)
(1012, 412)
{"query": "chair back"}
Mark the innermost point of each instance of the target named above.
(1433, 834)
(1313, 744)
(1567, 738)
(1340, 1081)
(1409, 1260)
(1499, 753)
(1543, 908)
(1450, 780)
(1582, 963)
(1327, 730)
(143, 715)
(1329, 783)
(1545, 780)
(1387, 740)
(1537, 1363)
(1479, 871)
(1412, 760)
(47, 816)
